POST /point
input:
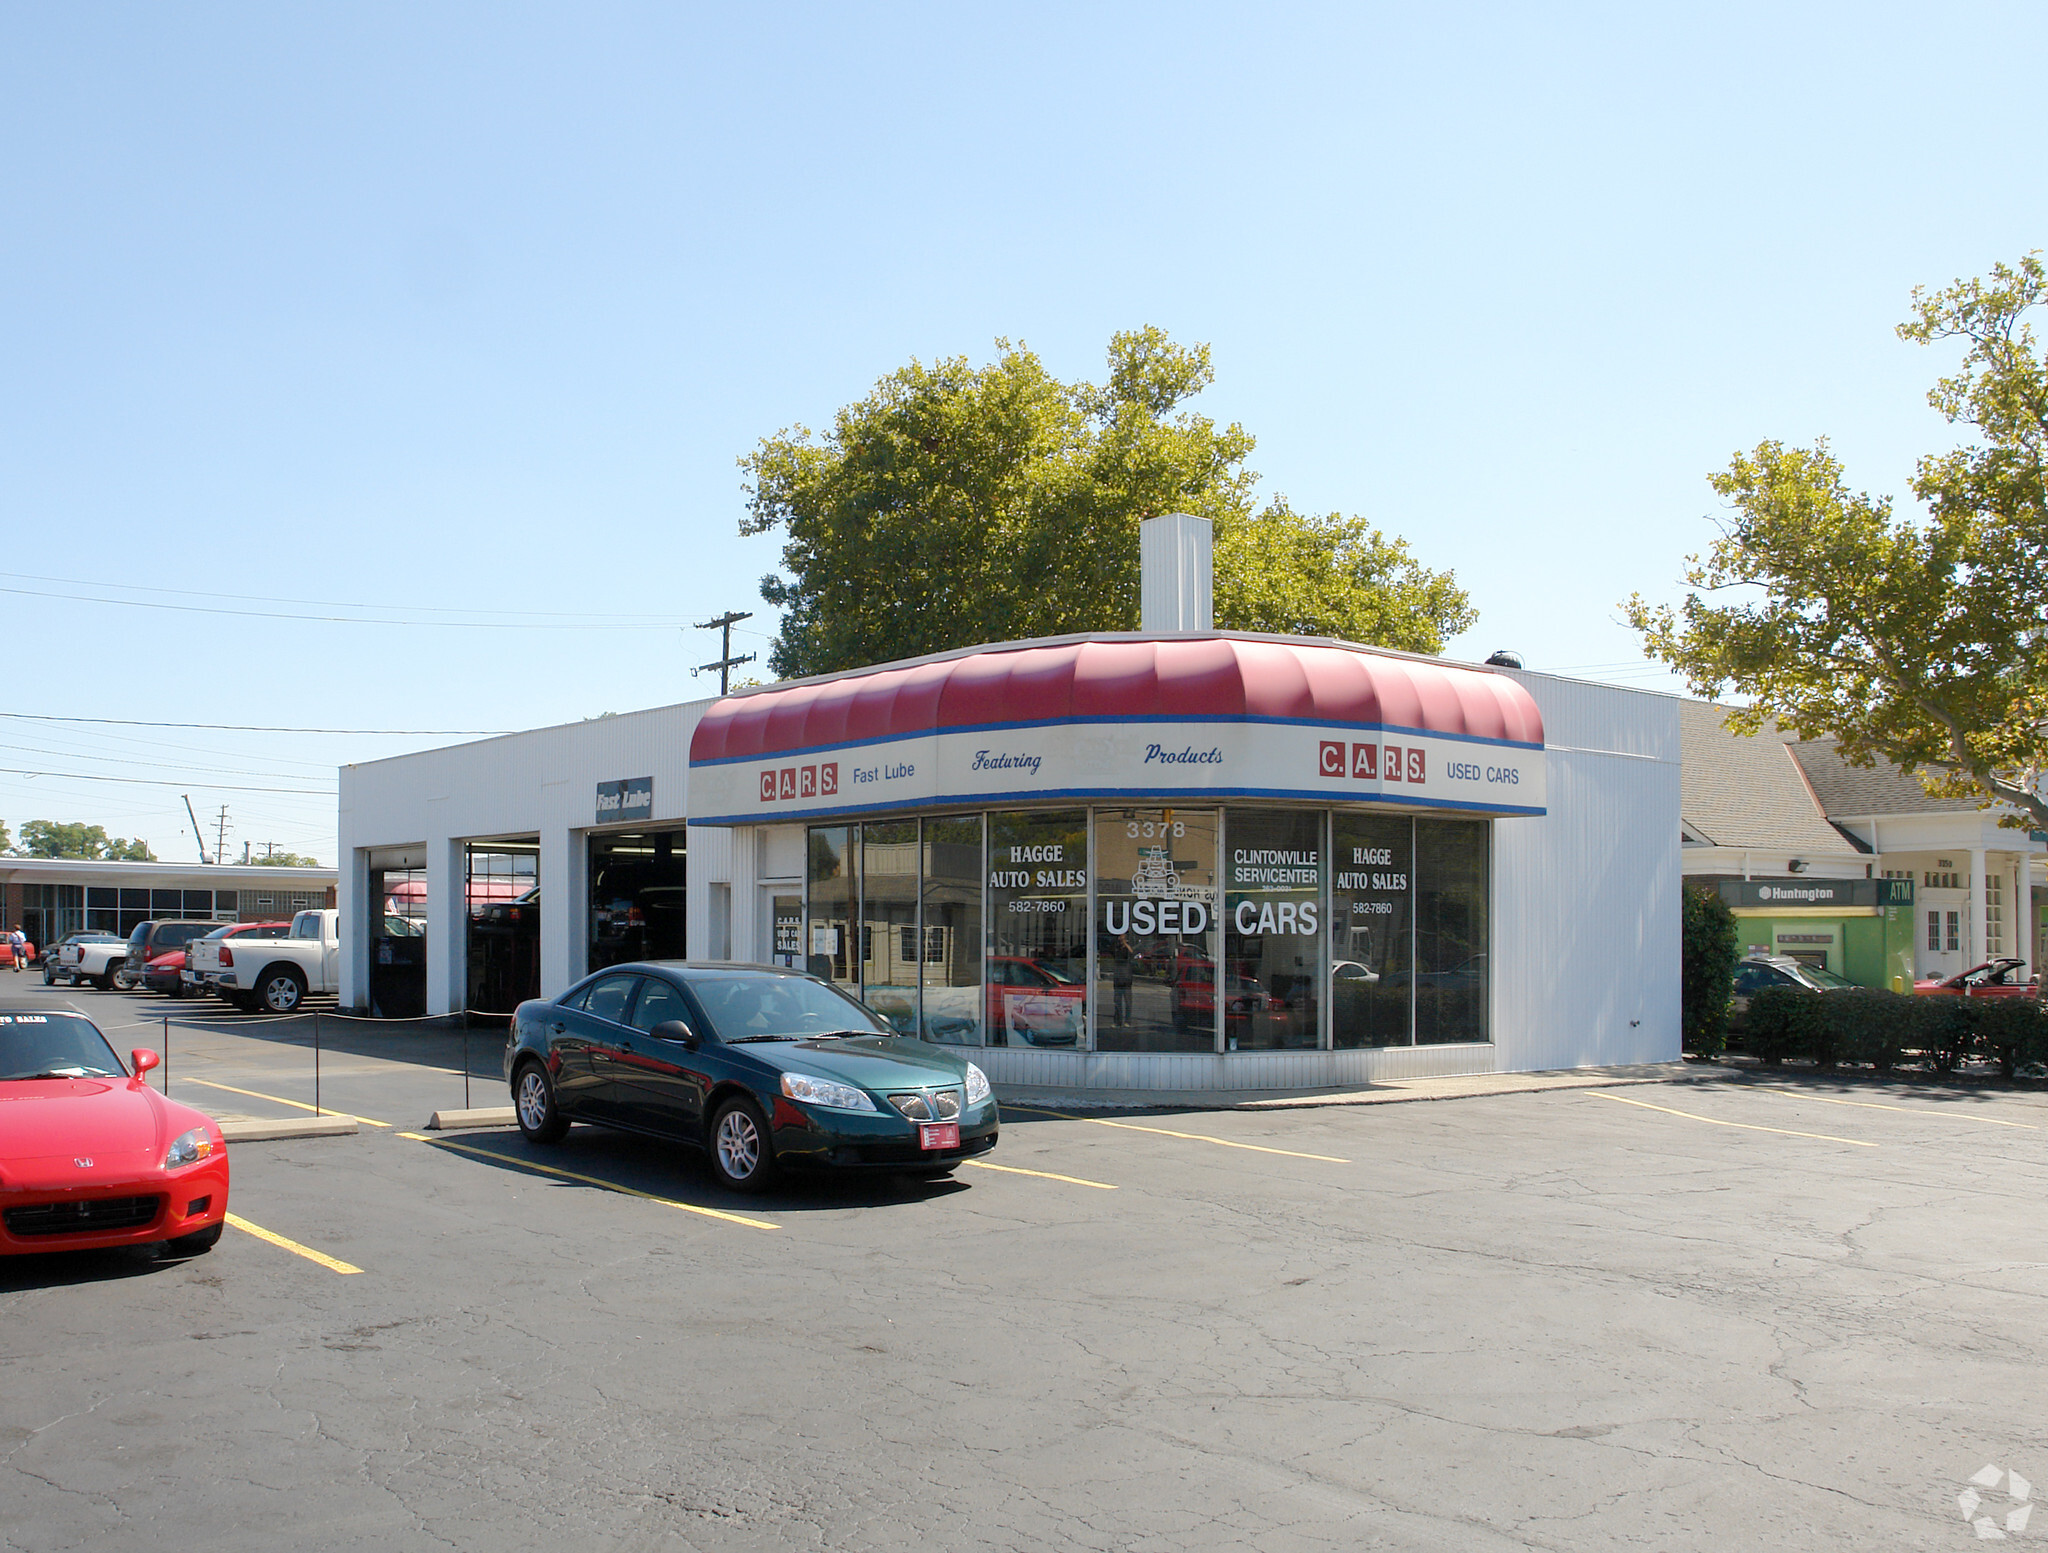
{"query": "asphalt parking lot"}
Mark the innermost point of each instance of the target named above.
(1718, 1314)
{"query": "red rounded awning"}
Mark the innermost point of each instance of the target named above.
(1118, 679)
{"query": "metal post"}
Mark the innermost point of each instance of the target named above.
(316, 1063)
(465, 1059)
(167, 1054)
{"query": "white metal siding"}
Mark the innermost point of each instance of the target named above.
(543, 782)
(1586, 902)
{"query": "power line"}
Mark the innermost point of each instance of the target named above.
(221, 787)
(139, 722)
(431, 609)
(355, 620)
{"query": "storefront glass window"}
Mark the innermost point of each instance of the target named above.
(950, 931)
(1156, 918)
(1037, 929)
(1451, 977)
(1372, 907)
(1273, 938)
(832, 906)
(890, 951)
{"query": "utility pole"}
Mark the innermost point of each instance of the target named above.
(198, 835)
(222, 825)
(726, 661)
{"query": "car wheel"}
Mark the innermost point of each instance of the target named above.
(533, 1103)
(281, 990)
(196, 1243)
(742, 1153)
(49, 977)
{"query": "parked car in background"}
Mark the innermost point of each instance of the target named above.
(159, 937)
(53, 956)
(171, 973)
(28, 955)
(2001, 978)
(1760, 971)
(94, 957)
(274, 975)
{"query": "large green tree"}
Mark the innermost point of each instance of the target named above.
(74, 838)
(958, 504)
(1922, 642)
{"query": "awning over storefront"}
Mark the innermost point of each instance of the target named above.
(1179, 719)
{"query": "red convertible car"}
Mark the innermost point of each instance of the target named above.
(90, 1155)
(1994, 979)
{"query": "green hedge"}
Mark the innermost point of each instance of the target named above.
(1707, 970)
(1867, 1025)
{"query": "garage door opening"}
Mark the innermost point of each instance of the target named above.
(502, 888)
(397, 932)
(637, 897)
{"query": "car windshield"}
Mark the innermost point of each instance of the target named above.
(1824, 978)
(54, 1046)
(780, 1008)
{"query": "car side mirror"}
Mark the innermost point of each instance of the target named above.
(675, 1030)
(144, 1059)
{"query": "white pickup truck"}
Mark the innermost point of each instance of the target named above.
(94, 957)
(273, 975)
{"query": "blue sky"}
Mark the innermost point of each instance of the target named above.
(464, 313)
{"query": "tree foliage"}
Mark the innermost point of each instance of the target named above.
(284, 860)
(1921, 643)
(74, 838)
(959, 504)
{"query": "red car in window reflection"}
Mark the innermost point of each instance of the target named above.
(2003, 978)
(1030, 1002)
(1194, 998)
(90, 1155)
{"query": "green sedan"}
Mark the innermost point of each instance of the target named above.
(762, 1068)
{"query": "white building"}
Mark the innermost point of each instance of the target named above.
(1172, 860)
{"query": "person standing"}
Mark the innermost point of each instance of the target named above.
(18, 942)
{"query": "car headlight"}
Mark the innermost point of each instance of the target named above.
(823, 1091)
(189, 1149)
(977, 1085)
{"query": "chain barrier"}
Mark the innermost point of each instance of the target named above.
(226, 1023)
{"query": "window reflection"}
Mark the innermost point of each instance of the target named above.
(1038, 928)
(1372, 906)
(1156, 910)
(1451, 1002)
(1272, 929)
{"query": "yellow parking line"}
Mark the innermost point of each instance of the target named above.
(570, 1175)
(257, 1094)
(1910, 1110)
(292, 1246)
(1043, 1175)
(1193, 1137)
(1716, 1121)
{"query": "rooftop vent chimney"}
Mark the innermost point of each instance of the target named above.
(1506, 658)
(1175, 565)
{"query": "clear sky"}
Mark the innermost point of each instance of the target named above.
(461, 315)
